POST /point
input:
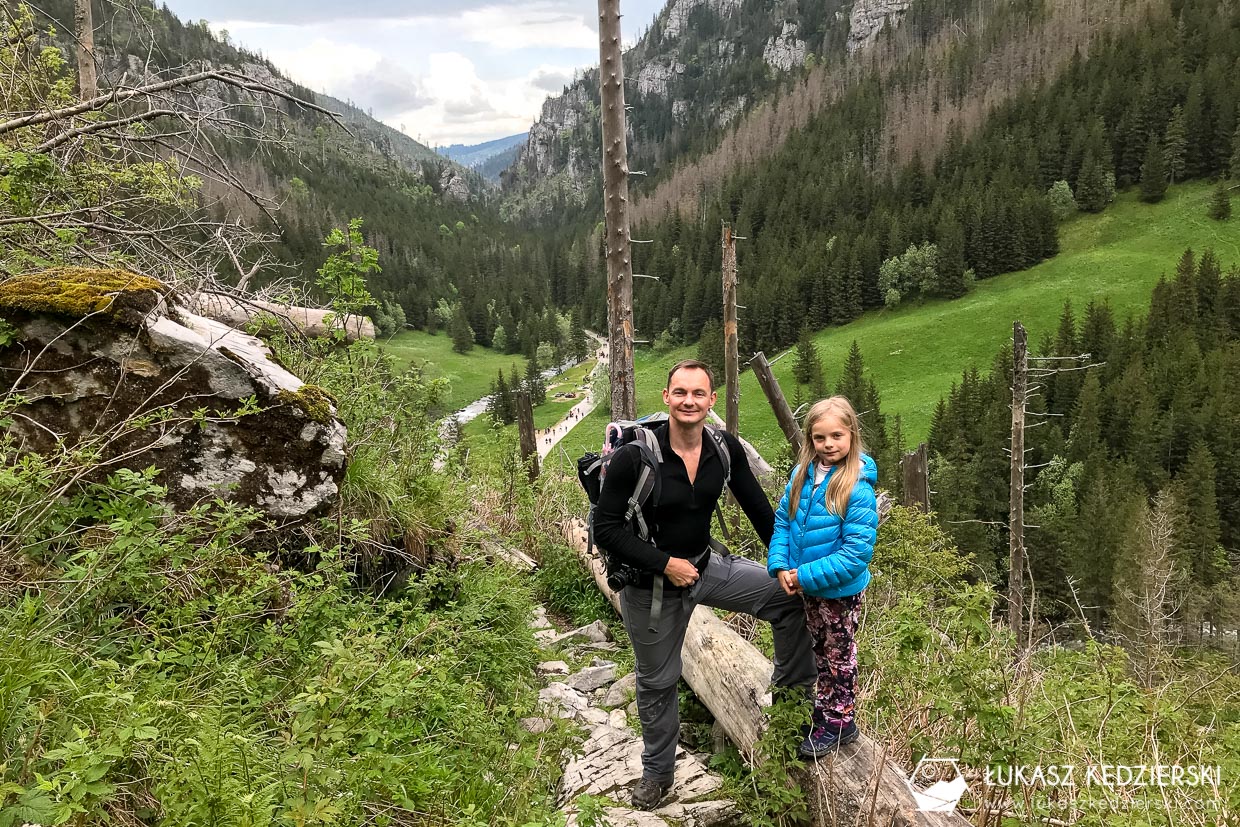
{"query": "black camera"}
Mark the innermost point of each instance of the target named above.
(620, 574)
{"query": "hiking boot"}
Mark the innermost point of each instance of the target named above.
(825, 740)
(648, 793)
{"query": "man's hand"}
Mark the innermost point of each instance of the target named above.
(788, 580)
(681, 572)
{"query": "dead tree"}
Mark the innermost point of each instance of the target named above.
(1016, 512)
(916, 474)
(615, 206)
(731, 362)
(775, 396)
(525, 429)
(84, 29)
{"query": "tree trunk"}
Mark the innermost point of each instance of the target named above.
(84, 29)
(775, 396)
(1016, 513)
(615, 203)
(731, 362)
(915, 468)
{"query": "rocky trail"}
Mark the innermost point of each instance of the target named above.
(608, 764)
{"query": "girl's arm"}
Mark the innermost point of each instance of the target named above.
(777, 554)
(860, 529)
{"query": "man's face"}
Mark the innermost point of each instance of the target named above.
(688, 396)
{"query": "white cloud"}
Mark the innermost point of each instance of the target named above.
(528, 27)
(325, 64)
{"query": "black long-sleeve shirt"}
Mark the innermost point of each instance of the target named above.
(680, 523)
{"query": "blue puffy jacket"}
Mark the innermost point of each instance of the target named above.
(831, 554)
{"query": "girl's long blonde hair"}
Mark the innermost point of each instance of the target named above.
(849, 469)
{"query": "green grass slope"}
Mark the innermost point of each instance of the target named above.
(914, 353)
(469, 374)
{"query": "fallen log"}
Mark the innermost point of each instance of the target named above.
(309, 321)
(858, 786)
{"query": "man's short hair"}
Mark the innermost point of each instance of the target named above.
(691, 364)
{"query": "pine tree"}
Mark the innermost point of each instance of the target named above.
(710, 348)
(1201, 532)
(501, 406)
(852, 384)
(1091, 194)
(1153, 174)
(460, 331)
(535, 385)
(579, 343)
(807, 369)
(1175, 145)
(1220, 202)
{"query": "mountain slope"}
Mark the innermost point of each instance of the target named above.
(475, 155)
(699, 65)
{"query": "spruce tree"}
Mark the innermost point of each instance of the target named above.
(1201, 533)
(1091, 194)
(1220, 202)
(1153, 173)
(710, 348)
(460, 331)
(535, 384)
(579, 343)
(807, 369)
(852, 384)
(1175, 145)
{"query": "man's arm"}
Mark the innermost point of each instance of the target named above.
(610, 530)
(748, 492)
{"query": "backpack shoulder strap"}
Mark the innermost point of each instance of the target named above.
(650, 457)
(725, 457)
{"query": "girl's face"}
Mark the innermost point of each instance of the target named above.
(832, 441)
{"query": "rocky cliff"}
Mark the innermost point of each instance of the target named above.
(699, 65)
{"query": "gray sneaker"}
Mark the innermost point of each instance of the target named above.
(648, 793)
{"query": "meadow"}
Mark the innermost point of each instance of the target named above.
(915, 352)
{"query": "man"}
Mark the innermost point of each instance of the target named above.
(691, 479)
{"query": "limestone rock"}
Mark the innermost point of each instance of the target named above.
(536, 725)
(561, 699)
(621, 692)
(592, 677)
(785, 50)
(609, 763)
(868, 18)
(539, 620)
(595, 632)
(552, 667)
(95, 347)
(616, 718)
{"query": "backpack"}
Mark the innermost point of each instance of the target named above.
(592, 471)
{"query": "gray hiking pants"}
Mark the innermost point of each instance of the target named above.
(730, 583)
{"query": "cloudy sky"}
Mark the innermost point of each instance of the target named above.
(461, 71)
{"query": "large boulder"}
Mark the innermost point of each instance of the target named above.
(108, 356)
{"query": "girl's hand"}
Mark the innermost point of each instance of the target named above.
(788, 580)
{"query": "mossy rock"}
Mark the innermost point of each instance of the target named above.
(78, 292)
(313, 400)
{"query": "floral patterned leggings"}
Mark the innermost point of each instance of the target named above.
(832, 623)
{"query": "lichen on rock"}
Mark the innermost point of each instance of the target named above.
(78, 292)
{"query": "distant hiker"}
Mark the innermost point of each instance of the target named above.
(825, 528)
(679, 570)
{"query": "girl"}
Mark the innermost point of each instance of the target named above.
(824, 539)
